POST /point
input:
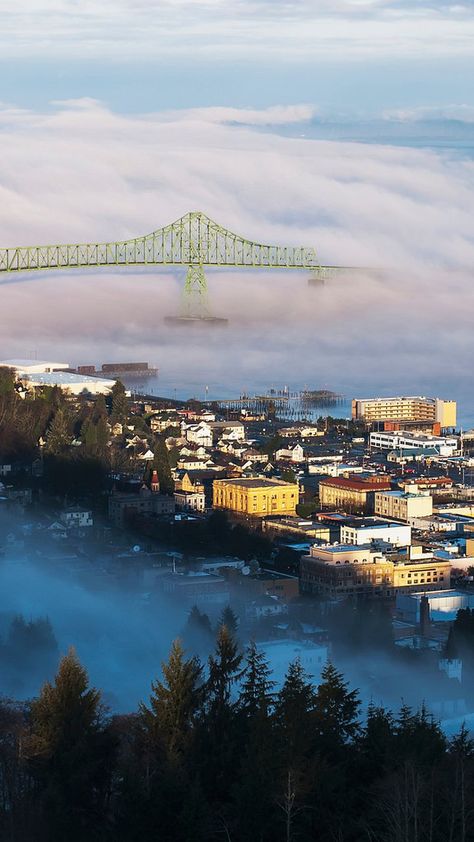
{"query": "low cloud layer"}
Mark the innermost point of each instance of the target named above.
(83, 173)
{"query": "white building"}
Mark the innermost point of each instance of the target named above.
(444, 605)
(75, 384)
(293, 454)
(371, 529)
(190, 501)
(281, 653)
(199, 434)
(77, 518)
(402, 440)
(25, 366)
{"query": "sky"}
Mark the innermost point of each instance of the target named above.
(357, 56)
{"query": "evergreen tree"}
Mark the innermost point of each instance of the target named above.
(219, 743)
(100, 409)
(230, 620)
(174, 702)
(336, 709)
(57, 436)
(197, 633)
(294, 713)
(256, 695)
(119, 412)
(161, 464)
(69, 753)
(223, 670)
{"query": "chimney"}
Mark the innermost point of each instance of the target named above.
(424, 615)
(155, 483)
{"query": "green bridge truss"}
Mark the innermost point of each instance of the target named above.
(194, 241)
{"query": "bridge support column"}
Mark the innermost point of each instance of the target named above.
(195, 305)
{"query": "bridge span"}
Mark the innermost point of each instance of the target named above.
(194, 240)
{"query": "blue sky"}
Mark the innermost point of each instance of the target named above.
(356, 57)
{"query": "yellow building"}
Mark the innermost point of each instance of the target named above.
(415, 408)
(469, 533)
(256, 496)
(354, 494)
(349, 569)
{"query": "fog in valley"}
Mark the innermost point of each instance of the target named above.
(403, 324)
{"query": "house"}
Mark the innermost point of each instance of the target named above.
(293, 454)
(190, 501)
(76, 518)
(198, 433)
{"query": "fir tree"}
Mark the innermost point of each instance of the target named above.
(230, 620)
(223, 669)
(174, 702)
(294, 711)
(119, 403)
(336, 709)
(256, 695)
(68, 753)
(57, 436)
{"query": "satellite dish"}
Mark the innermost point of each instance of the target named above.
(245, 570)
(136, 548)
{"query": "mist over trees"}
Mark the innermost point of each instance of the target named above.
(217, 752)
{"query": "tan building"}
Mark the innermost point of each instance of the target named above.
(353, 493)
(347, 569)
(469, 533)
(256, 496)
(403, 505)
(401, 408)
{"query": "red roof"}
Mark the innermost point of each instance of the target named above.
(376, 483)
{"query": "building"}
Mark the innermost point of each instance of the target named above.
(353, 493)
(190, 501)
(443, 605)
(303, 528)
(423, 443)
(199, 434)
(403, 505)
(365, 530)
(401, 408)
(292, 454)
(75, 384)
(348, 569)
(122, 504)
(26, 367)
(281, 653)
(77, 518)
(256, 496)
(234, 430)
(206, 590)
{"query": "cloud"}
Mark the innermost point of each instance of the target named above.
(459, 113)
(83, 173)
(296, 29)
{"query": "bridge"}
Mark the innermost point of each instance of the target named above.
(194, 241)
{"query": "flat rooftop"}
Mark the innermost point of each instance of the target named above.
(64, 377)
(24, 363)
(255, 482)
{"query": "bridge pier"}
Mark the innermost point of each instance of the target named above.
(195, 305)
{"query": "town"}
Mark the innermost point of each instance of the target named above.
(319, 538)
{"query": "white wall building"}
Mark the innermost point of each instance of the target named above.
(75, 384)
(280, 653)
(402, 440)
(398, 534)
(77, 518)
(24, 366)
